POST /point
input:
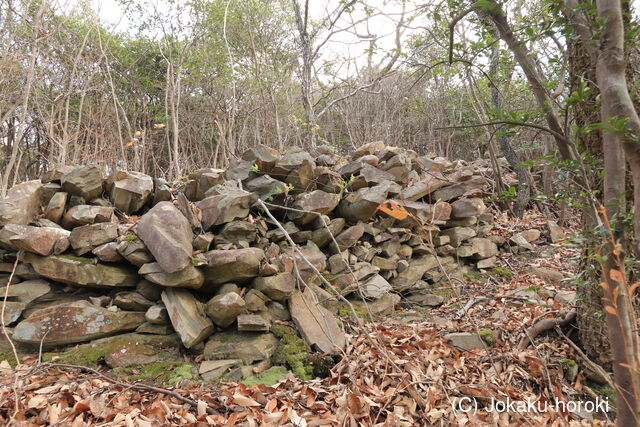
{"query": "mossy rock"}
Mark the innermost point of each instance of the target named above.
(345, 311)
(9, 357)
(269, 377)
(447, 293)
(488, 337)
(168, 373)
(293, 351)
(120, 350)
(502, 272)
(606, 393)
(281, 331)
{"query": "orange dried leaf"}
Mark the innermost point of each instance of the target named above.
(394, 210)
(616, 275)
(611, 310)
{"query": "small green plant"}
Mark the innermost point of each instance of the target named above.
(290, 187)
(344, 184)
(255, 168)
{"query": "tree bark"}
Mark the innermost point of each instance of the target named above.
(616, 104)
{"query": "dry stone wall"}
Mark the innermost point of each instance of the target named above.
(201, 258)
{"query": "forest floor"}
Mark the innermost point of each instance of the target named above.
(396, 371)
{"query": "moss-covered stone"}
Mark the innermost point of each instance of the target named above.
(281, 331)
(169, 373)
(9, 357)
(447, 293)
(502, 272)
(269, 377)
(292, 351)
(84, 355)
(345, 311)
(606, 392)
(488, 337)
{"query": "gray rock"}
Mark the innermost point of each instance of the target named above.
(55, 207)
(457, 235)
(108, 252)
(83, 181)
(38, 240)
(237, 265)
(167, 234)
(223, 208)
(316, 324)
(157, 315)
(187, 316)
(134, 251)
(190, 277)
(87, 214)
(375, 287)
(74, 322)
(21, 204)
(348, 238)
(246, 346)
(278, 287)
(466, 340)
(132, 301)
(27, 291)
(424, 187)
(453, 191)
(130, 191)
(316, 201)
(253, 323)
(81, 271)
(149, 290)
(224, 309)
(363, 204)
(85, 238)
(465, 208)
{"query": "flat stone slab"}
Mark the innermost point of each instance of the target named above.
(74, 322)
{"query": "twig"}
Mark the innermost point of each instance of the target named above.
(597, 369)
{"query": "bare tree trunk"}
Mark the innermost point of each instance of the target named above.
(616, 103)
(522, 198)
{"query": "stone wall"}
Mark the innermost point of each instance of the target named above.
(203, 258)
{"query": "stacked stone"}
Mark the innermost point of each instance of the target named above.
(201, 258)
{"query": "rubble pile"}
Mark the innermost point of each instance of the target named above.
(136, 268)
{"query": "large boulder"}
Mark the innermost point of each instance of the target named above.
(22, 203)
(187, 316)
(236, 265)
(87, 237)
(38, 240)
(83, 181)
(74, 322)
(317, 325)
(82, 271)
(168, 236)
(130, 190)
